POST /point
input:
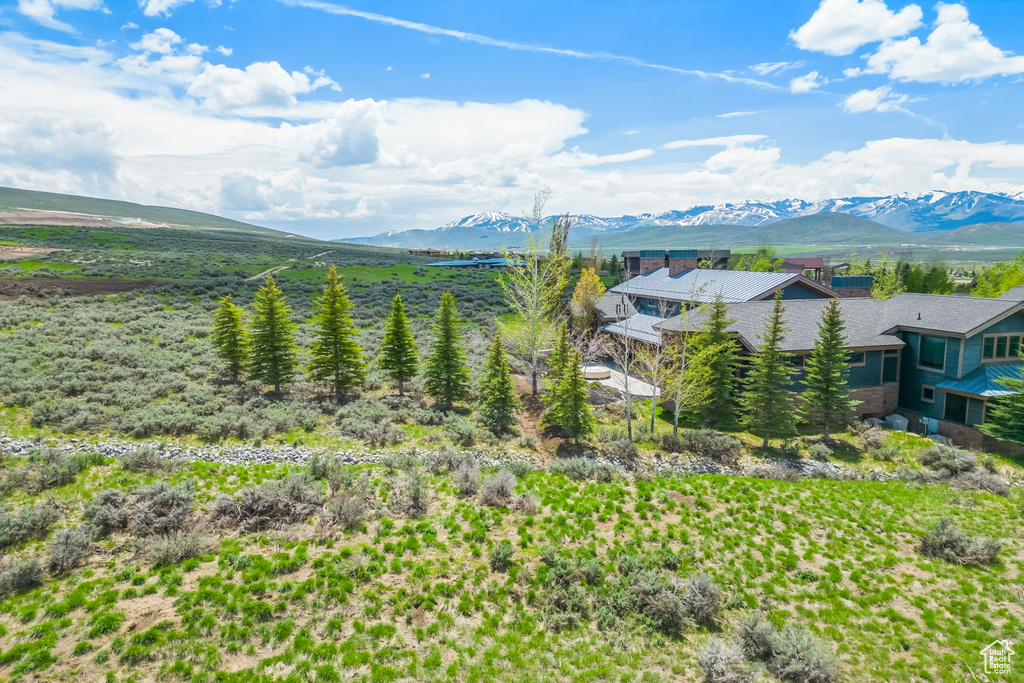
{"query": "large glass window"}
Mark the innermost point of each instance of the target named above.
(933, 352)
(1000, 347)
(956, 408)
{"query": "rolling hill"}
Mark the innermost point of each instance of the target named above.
(15, 201)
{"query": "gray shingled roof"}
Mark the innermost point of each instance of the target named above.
(610, 307)
(705, 285)
(639, 327)
(1015, 294)
(869, 323)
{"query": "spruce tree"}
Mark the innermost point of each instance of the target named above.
(767, 401)
(826, 402)
(446, 375)
(273, 345)
(556, 361)
(715, 347)
(569, 409)
(498, 401)
(230, 337)
(398, 355)
(1004, 418)
(335, 356)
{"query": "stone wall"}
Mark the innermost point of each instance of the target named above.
(649, 265)
(851, 292)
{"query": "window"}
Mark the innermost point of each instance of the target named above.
(956, 408)
(891, 366)
(928, 394)
(856, 358)
(797, 362)
(933, 353)
(1000, 347)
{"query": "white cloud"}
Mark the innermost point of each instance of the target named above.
(226, 51)
(424, 75)
(43, 11)
(807, 82)
(387, 68)
(127, 129)
(724, 141)
(736, 114)
(766, 68)
(838, 27)
(260, 84)
(153, 8)
(161, 41)
(881, 99)
(129, 25)
(954, 51)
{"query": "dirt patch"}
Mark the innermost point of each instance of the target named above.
(34, 218)
(10, 252)
(14, 287)
(529, 417)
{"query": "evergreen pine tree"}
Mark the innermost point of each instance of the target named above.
(499, 402)
(398, 355)
(569, 409)
(1004, 417)
(826, 402)
(767, 400)
(715, 346)
(273, 358)
(335, 356)
(446, 375)
(557, 361)
(230, 337)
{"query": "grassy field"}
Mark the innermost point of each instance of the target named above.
(451, 588)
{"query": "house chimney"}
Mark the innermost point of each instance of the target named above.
(681, 260)
(651, 260)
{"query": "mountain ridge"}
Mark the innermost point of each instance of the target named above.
(935, 211)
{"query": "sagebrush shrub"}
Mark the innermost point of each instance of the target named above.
(467, 476)
(777, 471)
(526, 503)
(723, 662)
(497, 491)
(702, 597)
(18, 575)
(885, 453)
(819, 452)
(70, 546)
(798, 656)
(30, 522)
(175, 547)
(755, 635)
(981, 481)
(872, 438)
(948, 542)
(948, 459)
(723, 448)
(273, 505)
(142, 459)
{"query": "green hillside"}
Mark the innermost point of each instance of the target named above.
(12, 199)
(983, 234)
(821, 229)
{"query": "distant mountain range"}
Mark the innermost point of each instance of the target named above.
(885, 220)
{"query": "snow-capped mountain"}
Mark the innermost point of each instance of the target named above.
(909, 213)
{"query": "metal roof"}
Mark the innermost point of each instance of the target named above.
(984, 381)
(852, 281)
(704, 286)
(639, 327)
(474, 262)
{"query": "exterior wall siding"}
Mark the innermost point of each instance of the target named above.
(913, 378)
(972, 346)
(869, 374)
(799, 291)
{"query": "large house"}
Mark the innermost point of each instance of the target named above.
(937, 360)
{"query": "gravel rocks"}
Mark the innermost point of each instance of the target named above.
(248, 455)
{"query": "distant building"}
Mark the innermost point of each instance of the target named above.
(487, 263)
(652, 259)
(924, 356)
(429, 252)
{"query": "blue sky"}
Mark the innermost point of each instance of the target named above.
(338, 119)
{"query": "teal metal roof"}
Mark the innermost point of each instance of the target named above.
(984, 381)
